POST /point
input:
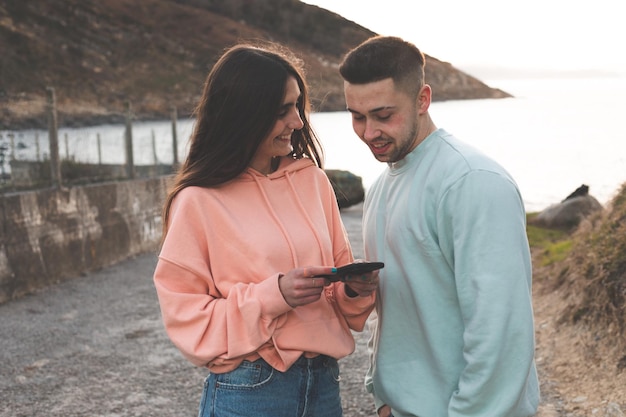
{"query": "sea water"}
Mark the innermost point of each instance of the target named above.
(553, 136)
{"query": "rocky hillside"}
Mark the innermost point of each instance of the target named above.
(155, 54)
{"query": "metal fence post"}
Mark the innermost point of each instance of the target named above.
(55, 162)
(99, 148)
(37, 149)
(11, 137)
(174, 138)
(130, 163)
(3, 149)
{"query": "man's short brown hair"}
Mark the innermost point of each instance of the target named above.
(382, 57)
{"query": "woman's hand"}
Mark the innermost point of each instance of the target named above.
(299, 287)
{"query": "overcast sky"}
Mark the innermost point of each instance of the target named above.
(554, 35)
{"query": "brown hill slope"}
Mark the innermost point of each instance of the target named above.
(156, 53)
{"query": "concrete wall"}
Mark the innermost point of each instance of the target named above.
(35, 173)
(47, 236)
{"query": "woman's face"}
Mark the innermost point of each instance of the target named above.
(278, 142)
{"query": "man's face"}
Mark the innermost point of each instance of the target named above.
(385, 119)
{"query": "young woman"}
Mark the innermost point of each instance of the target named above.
(251, 221)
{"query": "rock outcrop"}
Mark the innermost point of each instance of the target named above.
(348, 187)
(570, 212)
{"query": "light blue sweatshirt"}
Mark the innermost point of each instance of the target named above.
(454, 332)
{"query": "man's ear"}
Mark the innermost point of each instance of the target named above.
(424, 98)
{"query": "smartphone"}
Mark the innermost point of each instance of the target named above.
(355, 268)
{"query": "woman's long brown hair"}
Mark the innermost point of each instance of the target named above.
(238, 108)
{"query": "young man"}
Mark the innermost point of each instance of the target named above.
(454, 332)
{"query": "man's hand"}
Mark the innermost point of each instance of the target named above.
(364, 285)
(384, 411)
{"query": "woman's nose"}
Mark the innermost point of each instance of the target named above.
(296, 122)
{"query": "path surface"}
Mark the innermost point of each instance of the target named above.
(95, 346)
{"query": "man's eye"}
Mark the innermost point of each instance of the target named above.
(384, 117)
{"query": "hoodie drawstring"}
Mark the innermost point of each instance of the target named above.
(292, 250)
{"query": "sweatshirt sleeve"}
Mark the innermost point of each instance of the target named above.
(356, 310)
(372, 324)
(484, 239)
(199, 320)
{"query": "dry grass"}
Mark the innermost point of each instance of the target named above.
(580, 317)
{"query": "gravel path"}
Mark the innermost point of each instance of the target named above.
(95, 346)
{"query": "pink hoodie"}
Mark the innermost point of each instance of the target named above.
(217, 275)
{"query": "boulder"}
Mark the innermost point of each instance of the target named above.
(570, 212)
(581, 191)
(348, 187)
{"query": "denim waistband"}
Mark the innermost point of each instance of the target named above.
(317, 362)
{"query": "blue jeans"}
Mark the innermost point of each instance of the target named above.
(310, 388)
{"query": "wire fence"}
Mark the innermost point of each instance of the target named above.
(58, 157)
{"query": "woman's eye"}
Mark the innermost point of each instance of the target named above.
(285, 110)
